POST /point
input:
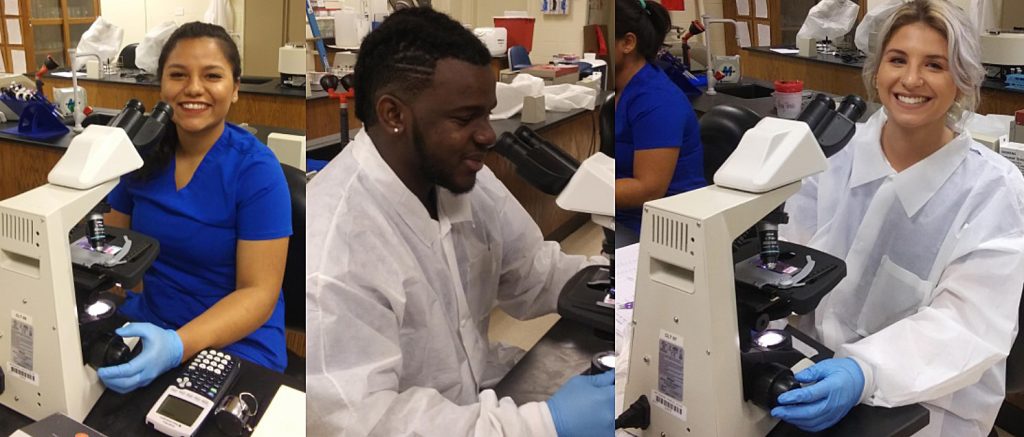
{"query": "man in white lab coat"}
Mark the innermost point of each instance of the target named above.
(412, 241)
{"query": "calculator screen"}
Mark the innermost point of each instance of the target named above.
(180, 410)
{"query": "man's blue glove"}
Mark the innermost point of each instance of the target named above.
(161, 351)
(839, 382)
(585, 406)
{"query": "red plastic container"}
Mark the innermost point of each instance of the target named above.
(520, 30)
(789, 86)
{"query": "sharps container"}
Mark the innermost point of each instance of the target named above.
(788, 94)
(520, 29)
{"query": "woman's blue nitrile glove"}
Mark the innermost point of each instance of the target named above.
(161, 351)
(585, 406)
(839, 382)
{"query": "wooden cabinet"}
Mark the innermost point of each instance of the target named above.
(35, 29)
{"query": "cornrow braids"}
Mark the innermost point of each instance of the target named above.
(401, 55)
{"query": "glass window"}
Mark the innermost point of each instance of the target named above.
(48, 40)
(45, 9)
(81, 8)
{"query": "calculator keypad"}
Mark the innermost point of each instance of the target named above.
(207, 373)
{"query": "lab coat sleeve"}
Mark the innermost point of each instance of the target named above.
(353, 371)
(946, 346)
(533, 271)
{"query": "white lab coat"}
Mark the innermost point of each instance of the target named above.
(398, 304)
(935, 267)
(219, 12)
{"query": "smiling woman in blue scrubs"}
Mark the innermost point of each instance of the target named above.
(216, 199)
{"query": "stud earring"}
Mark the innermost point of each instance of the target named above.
(396, 130)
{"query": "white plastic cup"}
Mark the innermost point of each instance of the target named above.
(788, 97)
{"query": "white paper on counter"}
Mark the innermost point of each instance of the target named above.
(742, 7)
(764, 35)
(625, 291)
(786, 51)
(626, 259)
(743, 33)
(286, 414)
(761, 8)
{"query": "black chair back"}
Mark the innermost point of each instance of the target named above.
(294, 284)
(606, 125)
(127, 56)
(721, 130)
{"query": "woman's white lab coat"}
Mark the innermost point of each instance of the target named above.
(935, 268)
(398, 304)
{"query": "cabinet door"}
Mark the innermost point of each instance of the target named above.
(44, 9)
(11, 38)
(757, 18)
(47, 40)
(81, 8)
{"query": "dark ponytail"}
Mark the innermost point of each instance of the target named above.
(648, 20)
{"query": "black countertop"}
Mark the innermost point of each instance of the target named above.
(125, 414)
(63, 141)
(764, 106)
(859, 64)
(250, 84)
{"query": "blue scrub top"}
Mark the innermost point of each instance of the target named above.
(653, 113)
(238, 192)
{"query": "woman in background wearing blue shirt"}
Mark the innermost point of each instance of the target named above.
(657, 138)
(217, 201)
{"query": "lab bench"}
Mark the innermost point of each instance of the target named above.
(261, 100)
(323, 115)
(576, 132)
(25, 162)
(125, 414)
(765, 106)
(832, 74)
(567, 348)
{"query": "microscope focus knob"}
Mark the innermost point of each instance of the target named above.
(108, 350)
(763, 382)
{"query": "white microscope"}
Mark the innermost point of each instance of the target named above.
(587, 187)
(712, 274)
(55, 333)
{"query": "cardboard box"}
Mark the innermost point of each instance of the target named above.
(554, 74)
(1014, 152)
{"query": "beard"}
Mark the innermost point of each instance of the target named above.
(430, 165)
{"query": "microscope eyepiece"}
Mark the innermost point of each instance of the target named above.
(852, 107)
(162, 112)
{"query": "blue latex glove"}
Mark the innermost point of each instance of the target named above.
(585, 406)
(839, 383)
(161, 351)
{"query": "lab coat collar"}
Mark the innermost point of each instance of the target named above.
(915, 185)
(451, 208)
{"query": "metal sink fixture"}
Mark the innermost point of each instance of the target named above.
(255, 80)
(750, 91)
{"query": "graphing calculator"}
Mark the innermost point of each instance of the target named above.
(183, 407)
